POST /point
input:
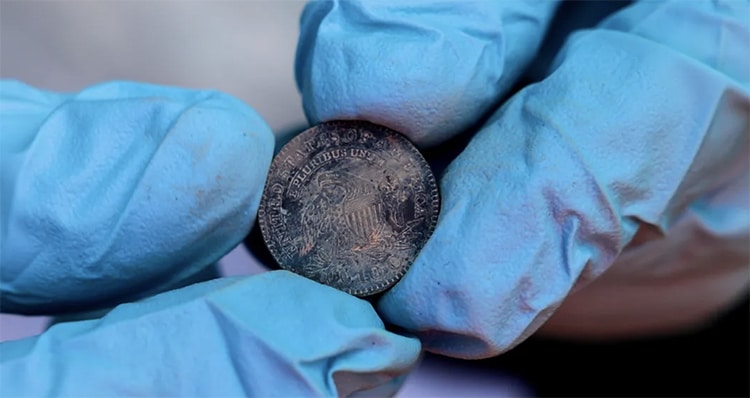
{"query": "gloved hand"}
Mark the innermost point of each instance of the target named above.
(640, 127)
(124, 190)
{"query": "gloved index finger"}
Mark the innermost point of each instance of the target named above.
(429, 70)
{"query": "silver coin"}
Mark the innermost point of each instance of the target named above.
(348, 204)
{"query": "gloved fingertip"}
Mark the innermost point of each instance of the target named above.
(131, 187)
(426, 70)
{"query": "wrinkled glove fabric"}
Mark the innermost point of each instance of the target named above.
(274, 334)
(121, 190)
(640, 121)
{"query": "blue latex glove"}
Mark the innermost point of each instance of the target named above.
(123, 190)
(274, 334)
(428, 70)
(640, 125)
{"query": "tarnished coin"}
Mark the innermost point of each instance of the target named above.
(348, 204)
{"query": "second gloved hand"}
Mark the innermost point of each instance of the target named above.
(124, 190)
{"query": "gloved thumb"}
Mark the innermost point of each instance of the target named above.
(639, 120)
